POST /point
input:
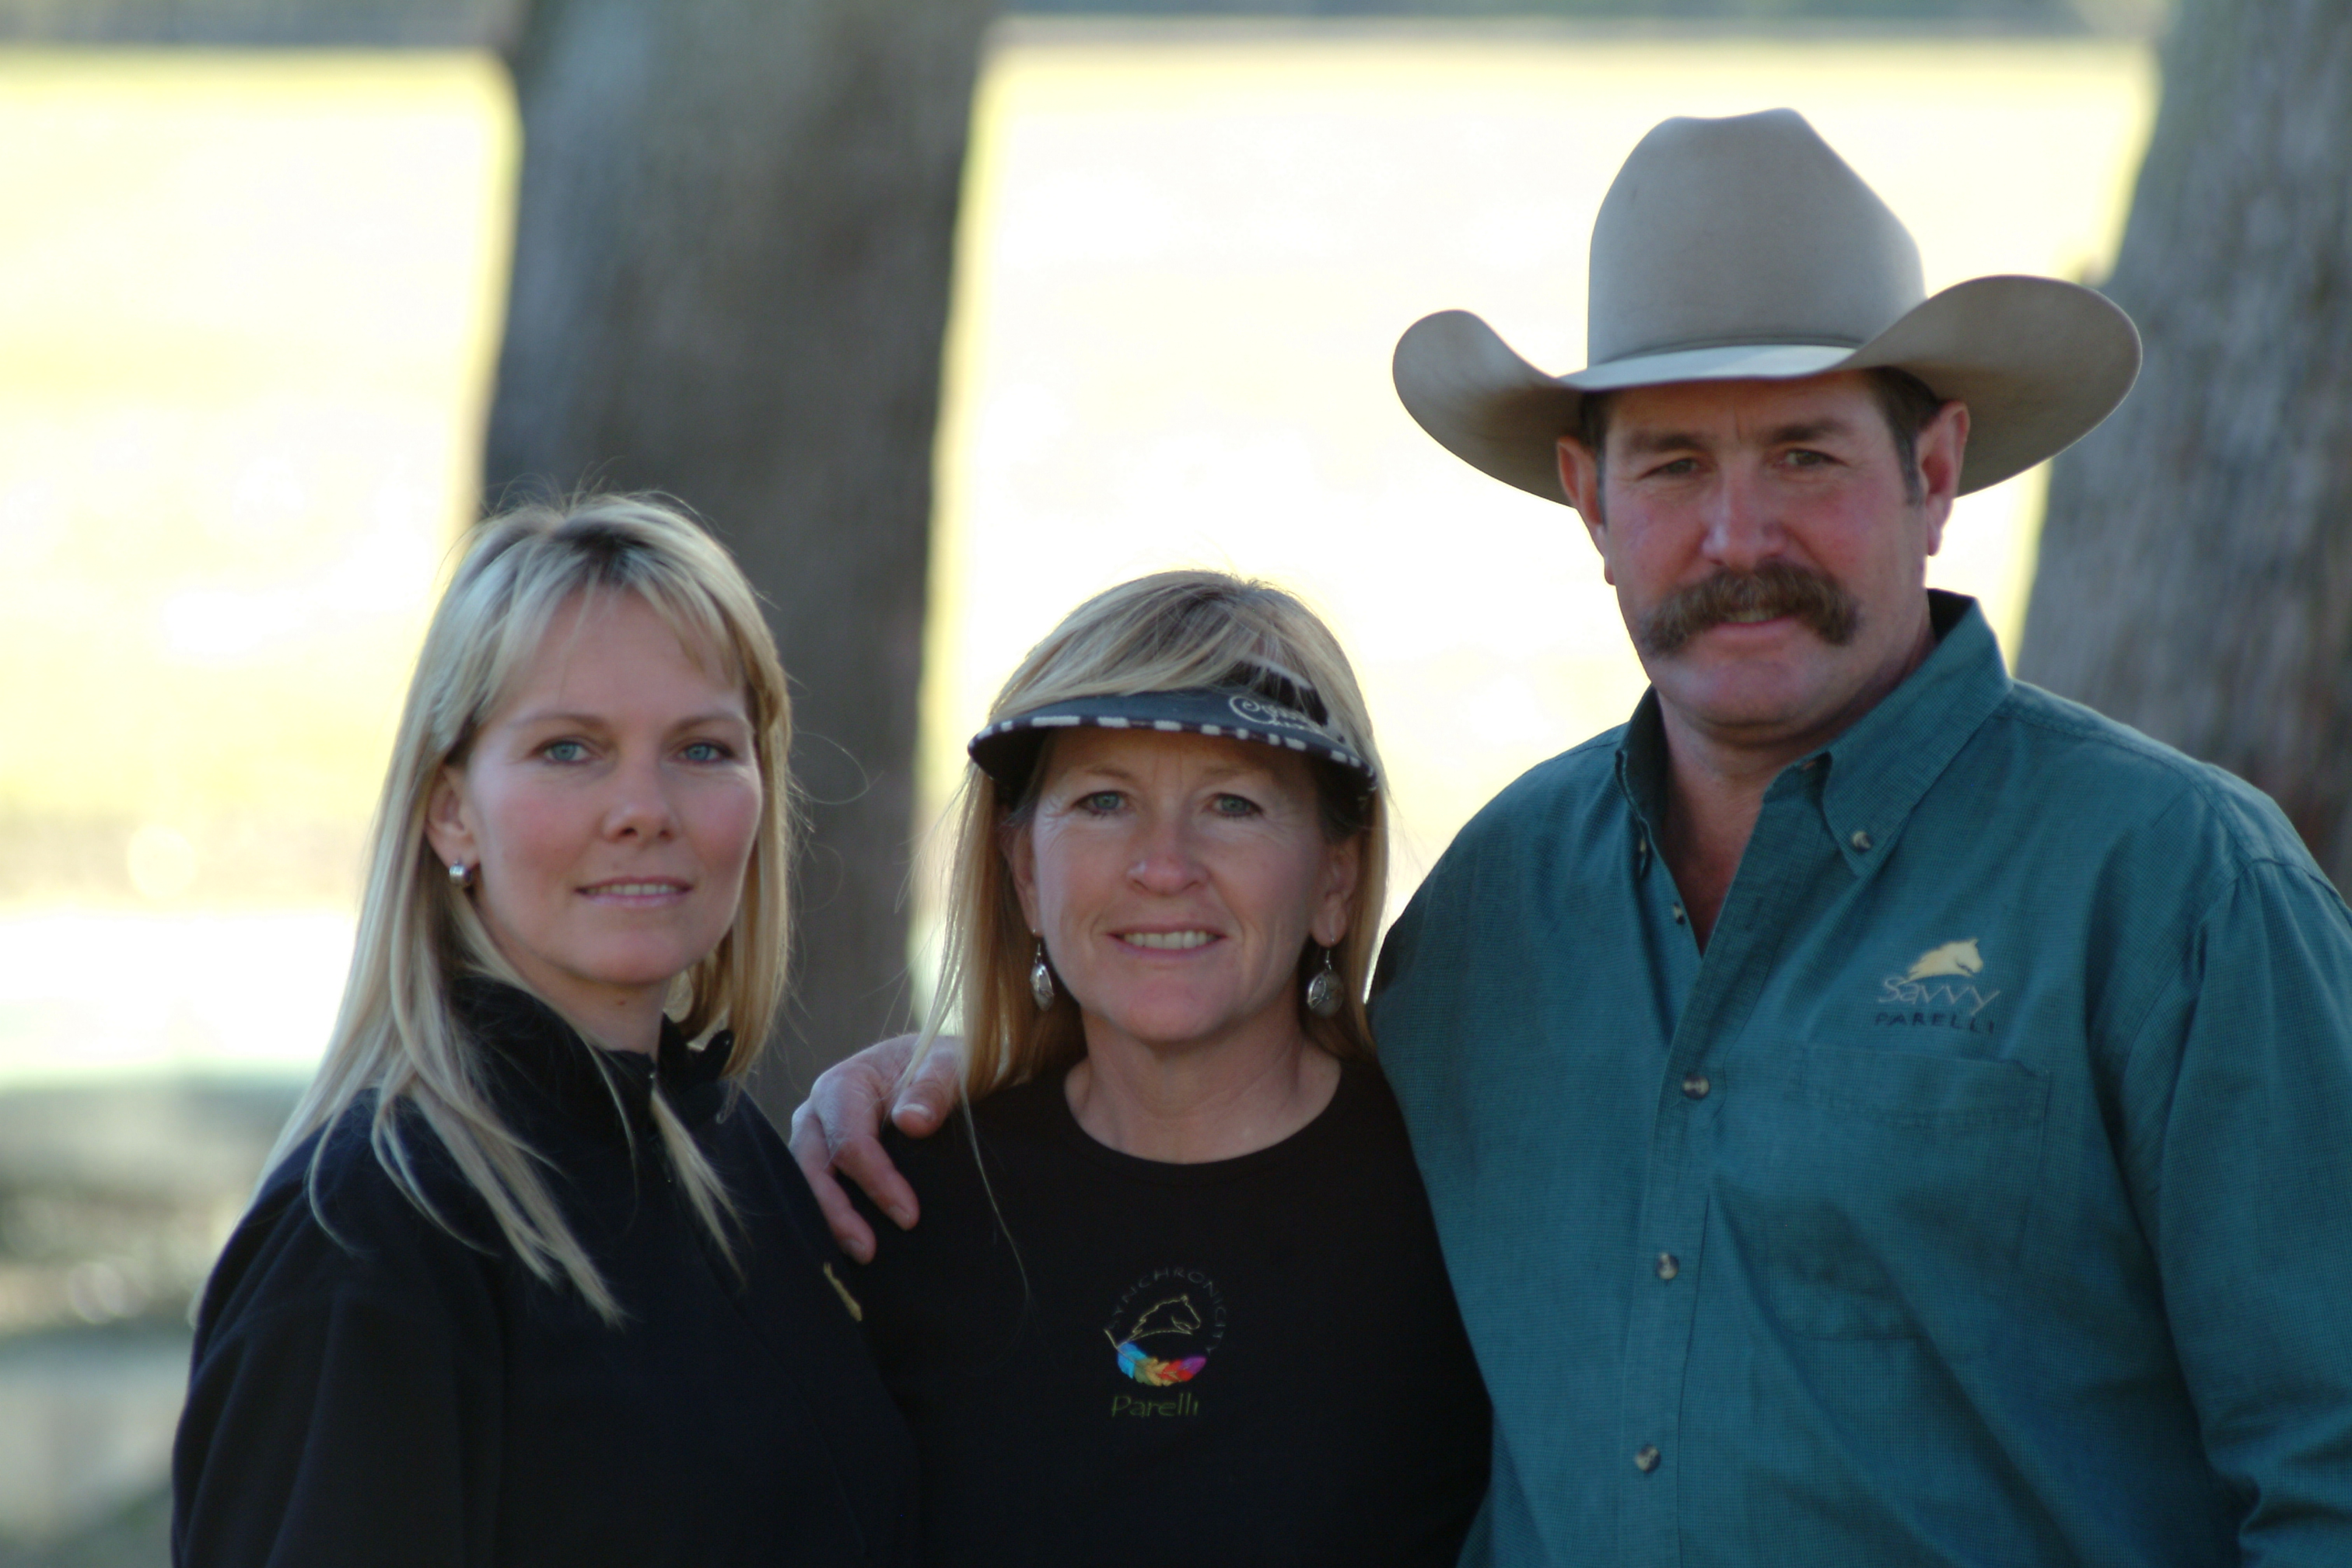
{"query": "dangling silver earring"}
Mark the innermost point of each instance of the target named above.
(1041, 979)
(1323, 989)
(461, 876)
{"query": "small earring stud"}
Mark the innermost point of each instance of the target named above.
(460, 874)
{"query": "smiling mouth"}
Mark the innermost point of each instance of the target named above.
(1168, 941)
(634, 889)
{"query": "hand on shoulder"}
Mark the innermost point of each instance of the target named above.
(837, 1130)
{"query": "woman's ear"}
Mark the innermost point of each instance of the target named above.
(1021, 858)
(1343, 864)
(448, 822)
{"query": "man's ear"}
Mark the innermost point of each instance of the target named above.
(448, 824)
(1579, 478)
(1943, 443)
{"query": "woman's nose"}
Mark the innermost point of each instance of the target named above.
(640, 805)
(1164, 861)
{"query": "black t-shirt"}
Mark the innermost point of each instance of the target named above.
(1119, 1360)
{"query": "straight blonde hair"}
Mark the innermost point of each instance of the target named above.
(1173, 631)
(397, 1034)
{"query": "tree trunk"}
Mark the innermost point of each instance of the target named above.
(730, 284)
(2195, 571)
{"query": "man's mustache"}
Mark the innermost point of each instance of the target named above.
(1775, 588)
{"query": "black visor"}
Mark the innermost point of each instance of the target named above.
(1007, 749)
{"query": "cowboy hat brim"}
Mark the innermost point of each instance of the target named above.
(2039, 362)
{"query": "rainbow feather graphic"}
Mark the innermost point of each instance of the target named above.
(1151, 1372)
(1173, 1315)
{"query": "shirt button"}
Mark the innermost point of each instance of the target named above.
(1679, 916)
(1668, 1266)
(1645, 1459)
(1861, 840)
(1694, 1085)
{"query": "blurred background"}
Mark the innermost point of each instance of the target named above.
(946, 318)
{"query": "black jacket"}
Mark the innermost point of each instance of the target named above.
(390, 1393)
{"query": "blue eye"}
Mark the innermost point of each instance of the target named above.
(1236, 806)
(564, 751)
(1101, 802)
(706, 751)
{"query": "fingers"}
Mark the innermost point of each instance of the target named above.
(862, 1161)
(925, 1102)
(849, 1228)
(835, 1131)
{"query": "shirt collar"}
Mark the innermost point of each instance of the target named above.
(1642, 772)
(606, 1090)
(1878, 769)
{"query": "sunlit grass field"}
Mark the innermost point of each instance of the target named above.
(249, 308)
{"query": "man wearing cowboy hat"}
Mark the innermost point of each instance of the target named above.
(1876, 1112)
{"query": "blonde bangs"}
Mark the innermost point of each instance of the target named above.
(396, 1033)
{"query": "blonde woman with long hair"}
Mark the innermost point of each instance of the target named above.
(1175, 1295)
(530, 1281)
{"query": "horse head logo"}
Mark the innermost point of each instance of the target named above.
(1952, 958)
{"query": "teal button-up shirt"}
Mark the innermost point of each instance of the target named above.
(1982, 1196)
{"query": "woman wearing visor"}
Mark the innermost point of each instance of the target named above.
(1175, 1294)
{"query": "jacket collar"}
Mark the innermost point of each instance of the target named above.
(1879, 769)
(606, 1091)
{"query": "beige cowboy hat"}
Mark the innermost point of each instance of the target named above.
(1746, 248)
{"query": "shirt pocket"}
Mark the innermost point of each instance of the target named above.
(1880, 1195)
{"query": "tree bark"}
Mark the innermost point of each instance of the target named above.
(731, 282)
(2196, 569)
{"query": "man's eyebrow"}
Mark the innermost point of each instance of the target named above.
(1648, 443)
(1661, 440)
(1810, 430)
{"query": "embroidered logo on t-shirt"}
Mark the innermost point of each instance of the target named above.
(1166, 1327)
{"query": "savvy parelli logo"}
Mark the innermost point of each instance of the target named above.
(1940, 990)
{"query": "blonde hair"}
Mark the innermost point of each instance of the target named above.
(397, 1033)
(1173, 631)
